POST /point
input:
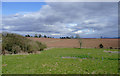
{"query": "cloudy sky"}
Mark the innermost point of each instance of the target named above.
(88, 19)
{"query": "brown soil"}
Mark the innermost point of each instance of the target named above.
(74, 43)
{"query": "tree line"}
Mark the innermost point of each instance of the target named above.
(45, 36)
(38, 36)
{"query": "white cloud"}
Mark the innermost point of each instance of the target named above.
(64, 19)
(55, 34)
(78, 32)
(72, 24)
(6, 27)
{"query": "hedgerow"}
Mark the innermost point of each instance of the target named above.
(15, 43)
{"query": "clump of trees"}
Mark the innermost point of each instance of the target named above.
(14, 43)
(65, 37)
(71, 37)
(27, 35)
(76, 37)
(68, 37)
(38, 36)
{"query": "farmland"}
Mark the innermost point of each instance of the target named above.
(59, 37)
(73, 43)
(0, 42)
(63, 56)
(63, 61)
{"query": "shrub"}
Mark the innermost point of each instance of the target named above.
(41, 46)
(10, 40)
(33, 46)
(15, 43)
(16, 49)
(111, 48)
(101, 46)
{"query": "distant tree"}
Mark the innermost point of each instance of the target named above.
(27, 35)
(67, 37)
(61, 37)
(79, 39)
(40, 35)
(77, 36)
(35, 35)
(101, 46)
(45, 36)
(72, 37)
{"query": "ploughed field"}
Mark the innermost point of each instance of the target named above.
(63, 61)
(74, 43)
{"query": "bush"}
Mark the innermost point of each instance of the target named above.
(101, 46)
(16, 49)
(111, 48)
(33, 46)
(15, 43)
(41, 46)
(10, 40)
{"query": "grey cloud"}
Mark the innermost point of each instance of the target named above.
(55, 18)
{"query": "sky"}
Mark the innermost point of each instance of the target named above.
(10, 8)
(57, 19)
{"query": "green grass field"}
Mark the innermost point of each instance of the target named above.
(62, 61)
(0, 65)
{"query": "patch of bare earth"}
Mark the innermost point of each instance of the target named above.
(74, 43)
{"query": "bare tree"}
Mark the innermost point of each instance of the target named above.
(79, 39)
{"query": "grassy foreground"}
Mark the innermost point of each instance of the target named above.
(62, 61)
